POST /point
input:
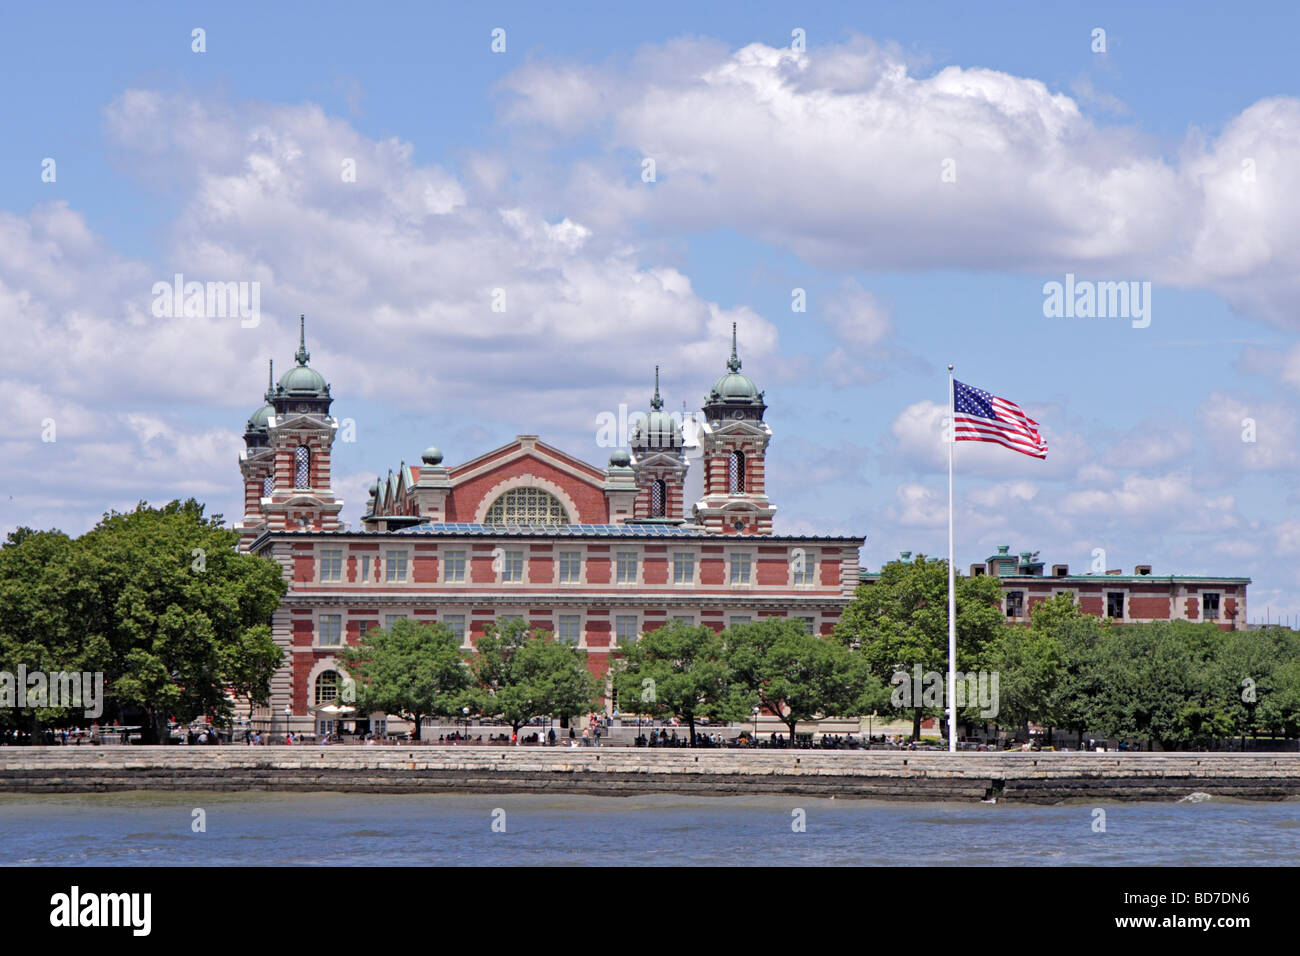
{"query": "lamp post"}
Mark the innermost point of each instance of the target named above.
(287, 712)
(465, 713)
(755, 710)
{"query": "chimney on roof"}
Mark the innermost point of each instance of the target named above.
(976, 570)
(1142, 570)
(1116, 571)
(1060, 570)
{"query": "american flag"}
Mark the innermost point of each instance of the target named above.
(980, 416)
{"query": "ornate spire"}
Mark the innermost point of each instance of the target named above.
(270, 378)
(302, 355)
(734, 362)
(656, 403)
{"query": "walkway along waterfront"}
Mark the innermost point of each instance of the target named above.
(613, 771)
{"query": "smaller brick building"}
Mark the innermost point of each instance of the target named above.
(1136, 598)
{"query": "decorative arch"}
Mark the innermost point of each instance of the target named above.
(526, 481)
(322, 666)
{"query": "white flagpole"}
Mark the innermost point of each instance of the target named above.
(952, 582)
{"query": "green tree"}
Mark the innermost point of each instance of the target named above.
(1073, 703)
(157, 599)
(678, 670)
(518, 675)
(901, 620)
(791, 674)
(1030, 665)
(410, 669)
(1151, 684)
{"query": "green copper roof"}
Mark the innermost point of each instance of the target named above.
(261, 418)
(734, 387)
(302, 381)
(659, 430)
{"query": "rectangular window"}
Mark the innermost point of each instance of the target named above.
(329, 630)
(627, 567)
(732, 622)
(802, 567)
(364, 626)
(331, 565)
(625, 628)
(683, 567)
(687, 619)
(1210, 607)
(740, 568)
(568, 628)
(512, 567)
(1015, 603)
(809, 624)
(395, 566)
(365, 567)
(1115, 604)
(456, 624)
(453, 567)
(391, 619)
(570, 567)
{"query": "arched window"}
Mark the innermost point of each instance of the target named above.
(658, 498)
(736, 473)
(268, 486)
(327, 687)
(302, 467)
(527, 506)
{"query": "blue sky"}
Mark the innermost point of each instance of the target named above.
(777, 169)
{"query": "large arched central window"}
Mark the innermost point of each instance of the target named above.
(527, 506)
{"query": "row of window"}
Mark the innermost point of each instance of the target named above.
(1015, 604)
(509, 567)
(568, 627)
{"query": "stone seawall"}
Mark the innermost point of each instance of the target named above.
(894, 775)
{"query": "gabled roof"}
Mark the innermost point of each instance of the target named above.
(538, 447)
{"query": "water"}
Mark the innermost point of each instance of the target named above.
(324, 829)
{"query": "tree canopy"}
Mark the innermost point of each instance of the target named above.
(157, 599)
(794, 675)
(410, 669)
(901, 621)
(519, 675)
(678, 670)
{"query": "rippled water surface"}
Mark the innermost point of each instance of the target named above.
(142, 829)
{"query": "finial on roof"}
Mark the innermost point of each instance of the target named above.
(656, 403)
(734, 363)
(270, 378)
(302, 355)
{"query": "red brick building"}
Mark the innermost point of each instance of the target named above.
(1135, 598)
(593, 554)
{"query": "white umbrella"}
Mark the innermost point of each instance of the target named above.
(334, 710)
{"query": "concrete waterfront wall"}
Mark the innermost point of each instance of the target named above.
(898, 775)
